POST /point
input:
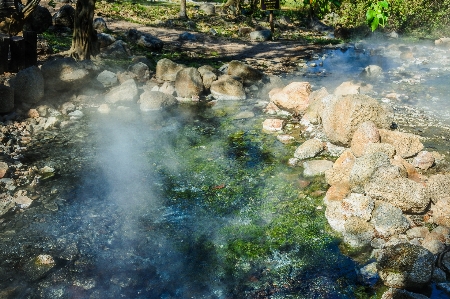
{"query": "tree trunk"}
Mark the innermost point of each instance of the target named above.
(84, 41)
(183, 13)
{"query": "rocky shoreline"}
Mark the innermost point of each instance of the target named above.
(386, 194)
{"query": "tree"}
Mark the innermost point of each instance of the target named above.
(84, 41)
(13, 24)
(183, 13)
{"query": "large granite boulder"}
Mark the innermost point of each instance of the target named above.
(342, 116)
(66, 74)
(64, 17)
(209, 75)
(227, 88)
(28, 85)
(125, 92)
(405, 266)
(293, 98)
(39, 20)
(366, 133)
(406, 144)
(363, 169)
(248, 74)
(388, 220)
(145, 40)
(155, 100)
(167, 70)
(188, 83)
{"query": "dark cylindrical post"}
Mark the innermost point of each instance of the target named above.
(271, 21)
(30, 38)
(18, 54)
(4, 52)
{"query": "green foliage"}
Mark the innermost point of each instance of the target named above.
(58, 42)
(318, 8)
(377, 14)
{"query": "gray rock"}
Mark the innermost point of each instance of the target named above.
(65, 74)
(316, 167)
(141, 71)
(6, 203)
(64, 17)
(145, 40)
(405, 266)
(372, 71)
(118, 49)
(438, 187)
(368, 274)
(208, 8)
(100, 25)
(167, 70)
(358, 232)
(364, 167)
(309, 149)
(188, 83)
(248, 74)
(444, 286)
(187, 36)
(261, 35)
(125, 92)
(155, 100)
(28, 85)
(393, 293)
(406, 144)
(107, 78)
(39, 20)
(105, 40)
(342, 115)
(358, 205)
(227, 88)
(388, 220)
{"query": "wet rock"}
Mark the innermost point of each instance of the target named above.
(107, 78)
(438, 275)
(393, 293)
(286, 139)
(372, 71)
(438, 187)
(23, 202)
(6, 99)
(155, 100)
(167, 70)
(342, 116)
(188, 83)
(100, 25)
(65, 74)
(340, 173)
(104, 109)
(358, 232)
(388, 220)
(309, 149)
(261, 35)
(248, 74)
(405, 266)
(125, 92)
(348, 87)
(141, 71)
(39, 266)
(6, 203)
(366, 133)
(273, 125)
(406, 144)
(227, 88)
(368, 274)
(293, 98)
(245, 115)
(316, 167)
(39, 20)
(64, 17)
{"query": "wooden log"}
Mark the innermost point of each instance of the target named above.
(4, 52)
(30, 48)
(18, 54)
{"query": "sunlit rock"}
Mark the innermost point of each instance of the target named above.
(208, 8)
(342, 116)
(334, 215)
(386, 148)
(315, 107)
(188, 82)
(248, 74)
(336, 192)
(363, 169)
(227, 88)
(4, 167)
(358, 232)
(406, 144)
(28, 85)
(286, 139)
(293, 98)
(167, 70)
(66, 74)
(22, 201)
(441, 211)
(273, 125)
(366, 133)
(104, 109)
(442, 42)
(372, 71)
(261, 35)
(405, 266)
(358, 205)
(417, 232)
(340, 172)
(438, 187)
(368, 274)
(347, 87)
(155, 100)
(316, 167)
(434, 242)
(125, 92)
(423, 160)
(309, 149)
(388, 220)
(208, 74)
(6, 203)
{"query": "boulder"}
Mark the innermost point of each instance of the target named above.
(28, 85)
(64, 17)
(155, 100)
(6, 99)
(39, 20)
(227, 88)
(141, 71)
(125, 92)
(388, 220)
(309, 149)
(423, 160)
(347, 87)
(100, 25)
(340, 172)
(145, 40)
(107, 78)
(261, 35)
(167, 70)
(441, 211)
(358, 205)
(363, 169)
(209, 75)
(188, 83)
(438, 187)
(293, 98)
(315, 107)
(118, 49)
(270, 82)
(385, 148)
(358, 232)
(273, 125)
(65, 74)
(208, 8)
(248, 74)
(342, 116)
(366, 133)
(316, 167)
(403, 193)
(105, 40)
(372, 71)
(406, 144)
(393, 293)
(405, 266)
(335, 217)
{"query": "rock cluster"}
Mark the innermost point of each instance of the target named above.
(379, 196)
